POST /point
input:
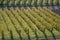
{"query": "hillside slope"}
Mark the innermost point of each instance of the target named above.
(29, 24)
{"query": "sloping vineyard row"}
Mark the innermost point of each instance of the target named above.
(29, 24)
(29, 2)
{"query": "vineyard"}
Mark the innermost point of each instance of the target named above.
(29, 19)
(29, 24)
(29, 3)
